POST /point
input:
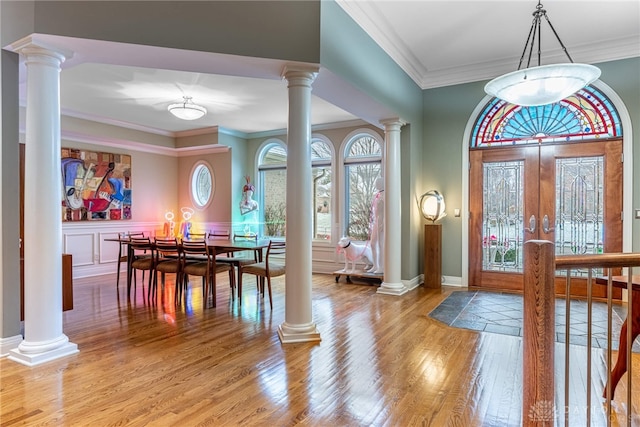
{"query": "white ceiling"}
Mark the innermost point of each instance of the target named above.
(438, 43)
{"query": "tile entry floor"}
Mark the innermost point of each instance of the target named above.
(501, 313)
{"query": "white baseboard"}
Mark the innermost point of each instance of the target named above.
(413, 283)
(452, 281)
(9, 343)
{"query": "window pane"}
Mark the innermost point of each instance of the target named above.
(361, 180)
(276, 154)
(364, 146)
(274, 191)
(322, 184)
(580, 207)
(503, 216)
(320, 151)
(201, 185)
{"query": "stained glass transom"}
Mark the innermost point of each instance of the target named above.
(585, 115)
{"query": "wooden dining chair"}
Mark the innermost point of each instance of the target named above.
(266, 269)
(232, 257)
(220, 235)
(206, 269)
(167, 252)
(123, 251)
(142, 258)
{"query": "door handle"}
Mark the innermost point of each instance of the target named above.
(532, 224)
(545, 225)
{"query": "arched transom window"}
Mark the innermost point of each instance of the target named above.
(586, 115)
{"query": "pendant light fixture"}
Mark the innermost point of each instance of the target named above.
(544, 84)
(187, 110)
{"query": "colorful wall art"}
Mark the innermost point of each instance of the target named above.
(96, 186)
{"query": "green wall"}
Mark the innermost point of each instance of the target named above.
(262, 29)
(624, 78)
(348, 52)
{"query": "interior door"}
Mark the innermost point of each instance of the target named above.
(569, 194)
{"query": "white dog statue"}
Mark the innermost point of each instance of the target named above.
(354, 252)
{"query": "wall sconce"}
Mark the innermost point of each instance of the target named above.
(432, 205)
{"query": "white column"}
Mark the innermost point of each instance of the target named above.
(298, 325)
(392, 283)
(43, 336)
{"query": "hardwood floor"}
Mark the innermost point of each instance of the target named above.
(382, 361)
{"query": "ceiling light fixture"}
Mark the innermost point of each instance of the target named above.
(187, 110)
(544, 84)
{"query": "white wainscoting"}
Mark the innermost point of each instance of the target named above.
(92, 254)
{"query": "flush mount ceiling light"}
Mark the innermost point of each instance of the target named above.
(187, 110)
(544, 84)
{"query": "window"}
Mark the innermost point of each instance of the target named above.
(202, 185)
(584, 116)
(363, 165)
(272, 172)
(321, 179)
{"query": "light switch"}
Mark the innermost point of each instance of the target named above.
(637, 213)
(456, 212)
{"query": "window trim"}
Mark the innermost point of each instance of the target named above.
(259, 182)
(194, 199)
(335, 188)
(342, 170)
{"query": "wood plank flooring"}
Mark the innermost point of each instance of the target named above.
(382, 361)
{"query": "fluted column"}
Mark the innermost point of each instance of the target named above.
(43, 336)
(298, 325)
(392, 283)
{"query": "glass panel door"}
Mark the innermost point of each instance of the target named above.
(569, 194)
(503, 184)
(502, 216)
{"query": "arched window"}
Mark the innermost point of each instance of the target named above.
(585, 115)
(272, 172)
(322, 181)
(362, 166)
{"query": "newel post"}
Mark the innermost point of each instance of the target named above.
(538, 407)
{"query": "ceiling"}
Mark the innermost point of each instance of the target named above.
(437, 43)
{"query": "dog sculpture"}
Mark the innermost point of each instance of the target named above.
(354, 252)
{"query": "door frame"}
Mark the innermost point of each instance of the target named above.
(627, 175)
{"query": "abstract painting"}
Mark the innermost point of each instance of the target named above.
(96, 185)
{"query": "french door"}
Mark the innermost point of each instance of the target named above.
(569, 194)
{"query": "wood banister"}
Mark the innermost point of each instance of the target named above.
(608, 260)
(540, 265)
(538, 333)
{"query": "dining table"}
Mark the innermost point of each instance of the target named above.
(215, 245)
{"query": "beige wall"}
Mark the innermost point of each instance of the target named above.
(219, 210)
(154, 183)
